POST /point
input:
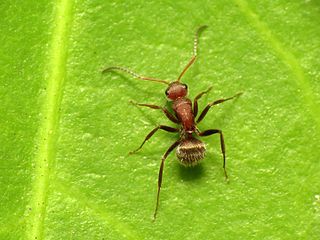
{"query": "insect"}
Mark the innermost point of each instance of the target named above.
(190, 150)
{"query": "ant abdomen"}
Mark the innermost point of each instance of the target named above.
(190, 151)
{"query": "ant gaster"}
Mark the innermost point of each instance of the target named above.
(190, 150)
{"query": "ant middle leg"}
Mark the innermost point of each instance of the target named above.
(162, 127)
(169, 115)
(223, 149)
(164, 157)
(195, 101)
(209, 105)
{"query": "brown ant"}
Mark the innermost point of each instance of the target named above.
(190, 150)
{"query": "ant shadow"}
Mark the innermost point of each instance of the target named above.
(190, 173)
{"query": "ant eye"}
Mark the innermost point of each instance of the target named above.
(185, 86)
(166, 92)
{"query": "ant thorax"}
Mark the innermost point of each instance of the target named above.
(183, 110)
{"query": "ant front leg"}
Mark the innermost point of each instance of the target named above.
(162, 127)
(223, 149)
(169, 115)
(195, 101)
(170, 149)
(209, 105)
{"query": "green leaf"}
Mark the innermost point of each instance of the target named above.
(66, 129)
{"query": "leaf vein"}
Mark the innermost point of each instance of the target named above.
(287, 57)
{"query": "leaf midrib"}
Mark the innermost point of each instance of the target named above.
(48, 129)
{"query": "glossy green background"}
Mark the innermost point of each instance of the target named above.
(66, 129)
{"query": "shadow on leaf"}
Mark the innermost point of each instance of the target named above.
(191, 173)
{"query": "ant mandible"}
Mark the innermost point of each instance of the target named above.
(190, 150)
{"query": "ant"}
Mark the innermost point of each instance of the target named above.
(190, 150)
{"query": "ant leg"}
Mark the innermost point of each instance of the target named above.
(162, 127)
(169, 115)
(173, 146)
(135, 75)
(195, 101)
(223, 149)
(195, 51)
(209, 105)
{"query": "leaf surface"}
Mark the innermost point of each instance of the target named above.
(66, 129)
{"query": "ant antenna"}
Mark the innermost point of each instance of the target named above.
(135, 75)
(195, 49)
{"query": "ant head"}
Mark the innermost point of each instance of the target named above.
(176, 90)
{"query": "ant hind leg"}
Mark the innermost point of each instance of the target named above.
(170, 149)
(222, 145)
